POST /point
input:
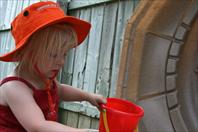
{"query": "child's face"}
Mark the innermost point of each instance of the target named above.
(53, 63)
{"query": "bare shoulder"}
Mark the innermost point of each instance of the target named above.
(15, 86)
(19, 97)
(14, 90)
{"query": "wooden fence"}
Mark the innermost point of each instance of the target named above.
(94, 65)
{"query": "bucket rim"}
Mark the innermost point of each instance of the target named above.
(140, 114)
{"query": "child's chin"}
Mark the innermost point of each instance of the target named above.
(52, 76)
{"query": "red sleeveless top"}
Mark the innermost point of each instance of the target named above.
(9, 123)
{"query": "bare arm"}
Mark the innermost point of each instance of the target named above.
(69, 93)
(20, 99)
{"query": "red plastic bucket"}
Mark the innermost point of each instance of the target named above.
(119, 116)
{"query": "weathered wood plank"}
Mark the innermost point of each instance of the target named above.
(19, 7)
(25, 4)
(3, 6)
(124, 12)
(104, 68)
(93, 48)
(76, 4)
(3, 46)
(94, 123)
(62, 116)
(7, 43)
(129, 8)
(72, 119)
(117, 47)
(81, 108)
(67, 71)
(81, 55)
(10, 10)
(84, 121)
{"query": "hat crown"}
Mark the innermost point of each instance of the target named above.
(34, 17)
(38, 16)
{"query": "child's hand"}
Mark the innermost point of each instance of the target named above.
(96, 100)
(87, 130)
(91, 130)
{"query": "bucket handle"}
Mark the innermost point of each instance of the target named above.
(104, 115)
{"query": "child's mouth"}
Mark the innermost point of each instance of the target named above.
(54, 73)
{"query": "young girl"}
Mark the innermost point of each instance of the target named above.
(29, 97)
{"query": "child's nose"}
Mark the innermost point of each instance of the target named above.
(61, 61)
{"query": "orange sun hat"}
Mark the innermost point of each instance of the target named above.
(38, 16)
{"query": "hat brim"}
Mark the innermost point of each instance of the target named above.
(81, 27)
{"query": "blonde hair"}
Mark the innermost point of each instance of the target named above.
(44, 41)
